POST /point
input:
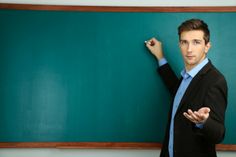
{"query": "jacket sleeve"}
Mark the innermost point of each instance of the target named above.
(169, 77)
(216, 100)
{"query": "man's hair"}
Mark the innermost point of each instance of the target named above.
(195, 24)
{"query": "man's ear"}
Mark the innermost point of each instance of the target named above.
(207, 47)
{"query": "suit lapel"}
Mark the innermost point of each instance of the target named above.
(194, 84)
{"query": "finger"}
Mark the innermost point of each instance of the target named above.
(189, 117)
(155, 40)
(191, 120)
(204, 110)
(191, 113)
(147, 42)
(148, 45)
(151, 41)
(195, 116)
(199, 117)
(207, 109)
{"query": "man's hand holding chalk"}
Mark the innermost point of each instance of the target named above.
(151, 42)
(155, 47)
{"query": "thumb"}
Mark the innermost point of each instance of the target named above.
(206, 109)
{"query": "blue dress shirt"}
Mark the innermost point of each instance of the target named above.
(187, 78)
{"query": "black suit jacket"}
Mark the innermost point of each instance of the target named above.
(208, 88)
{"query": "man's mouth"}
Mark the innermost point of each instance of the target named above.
(189, 57)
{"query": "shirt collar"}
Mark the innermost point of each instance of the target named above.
(195, 70)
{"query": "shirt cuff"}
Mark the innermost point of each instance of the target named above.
(200, 126)
(162, 61)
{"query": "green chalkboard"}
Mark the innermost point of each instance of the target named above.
(88, 77)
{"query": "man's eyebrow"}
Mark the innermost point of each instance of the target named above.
(191, 40)
(197, 39)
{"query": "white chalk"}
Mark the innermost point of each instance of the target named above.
(149, 42)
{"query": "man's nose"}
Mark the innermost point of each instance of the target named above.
(189, 48)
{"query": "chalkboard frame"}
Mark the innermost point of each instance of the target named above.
(106, 145)
(116, 8)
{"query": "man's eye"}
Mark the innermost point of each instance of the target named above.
(196, 42)
(183, 42)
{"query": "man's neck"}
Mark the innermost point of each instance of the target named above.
(190, 67)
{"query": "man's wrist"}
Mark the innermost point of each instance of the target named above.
(162, 61)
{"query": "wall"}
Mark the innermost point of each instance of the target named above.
(87, 153)
(103, 152)
(130, 2)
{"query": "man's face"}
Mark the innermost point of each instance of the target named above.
(193, 48)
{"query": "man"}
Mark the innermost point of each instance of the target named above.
(196, 118)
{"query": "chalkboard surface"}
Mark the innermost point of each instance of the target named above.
(87, 76)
